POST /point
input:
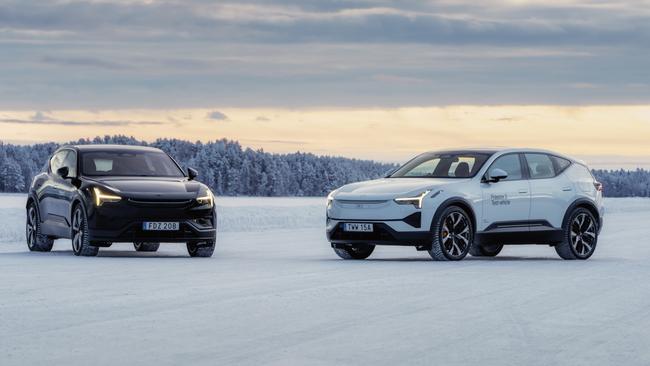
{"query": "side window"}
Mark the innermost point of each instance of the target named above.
(510, 164)
(560, 164)
(70, 161)
(57, 161)
(462, 168)
(540, 166)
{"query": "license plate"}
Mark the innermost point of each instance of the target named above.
(160, 226)
(356, 227)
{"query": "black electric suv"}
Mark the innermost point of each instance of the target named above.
(96, 195)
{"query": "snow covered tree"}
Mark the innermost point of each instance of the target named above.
(13, 180)
(230, 170)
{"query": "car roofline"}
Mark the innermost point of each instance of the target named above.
(109, 148)
(505, 150)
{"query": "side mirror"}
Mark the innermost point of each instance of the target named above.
(192, 173)
(496, 175)
(63, 172)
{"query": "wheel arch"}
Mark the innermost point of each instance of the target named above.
(75, 201)
(31, 198)
(581, 203)
(456, 201)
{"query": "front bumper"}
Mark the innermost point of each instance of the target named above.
(393, 224)
(383, 234)
(122, 222)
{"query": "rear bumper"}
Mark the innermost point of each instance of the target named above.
(122, 222)
(383, 234)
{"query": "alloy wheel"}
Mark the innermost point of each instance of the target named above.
(583, 234)
(455, 235)
(31, 228)
(77, 230)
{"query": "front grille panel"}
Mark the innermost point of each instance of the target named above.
(361, 202)
(379, 234)
(160, 203)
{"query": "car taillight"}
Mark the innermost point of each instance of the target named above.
(599, 186)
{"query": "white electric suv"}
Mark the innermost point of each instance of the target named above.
(451, 203)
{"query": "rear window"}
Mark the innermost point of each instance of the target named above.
(560, 164)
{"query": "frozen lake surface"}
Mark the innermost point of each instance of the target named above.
(276, 294)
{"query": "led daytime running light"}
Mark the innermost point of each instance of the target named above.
(101, 197)
(415, 201)
(330, 198)
(208, 199)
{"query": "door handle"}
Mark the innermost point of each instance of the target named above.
(523, 191)
(567, 189)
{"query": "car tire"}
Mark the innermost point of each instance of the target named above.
(201, 249)
(355, 251)
(79, 234)
(146, 247)
(36, 242)
(490, 250)
(453, 235)
(580, 236)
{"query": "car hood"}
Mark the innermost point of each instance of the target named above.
(150, 187)
(389, 188)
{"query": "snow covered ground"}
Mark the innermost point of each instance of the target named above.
(275, 294)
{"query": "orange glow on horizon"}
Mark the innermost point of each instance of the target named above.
(391, 134)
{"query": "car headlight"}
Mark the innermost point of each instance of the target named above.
(101, 197)
(330, 198)
(207, 199)
(415, 201)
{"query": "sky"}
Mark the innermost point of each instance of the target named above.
(361, 78)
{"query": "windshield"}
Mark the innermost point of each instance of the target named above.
(131, 163)
(443, 165)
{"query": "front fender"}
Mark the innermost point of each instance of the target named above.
(31, 197)
(462, 202)
(84, 197)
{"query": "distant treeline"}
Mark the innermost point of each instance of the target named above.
(223, 165)
(232, 170)
(624, 183)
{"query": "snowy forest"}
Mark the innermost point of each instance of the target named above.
(223, 165)
(231, 170)
(624, 183)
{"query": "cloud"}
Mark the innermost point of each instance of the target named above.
(489, 22)
(217, 116)
(40, 119)
(83, 62)
(509, 119)
(262, 119)
(583, 85)
(396, 79)
(87, 54)
(279, 142)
